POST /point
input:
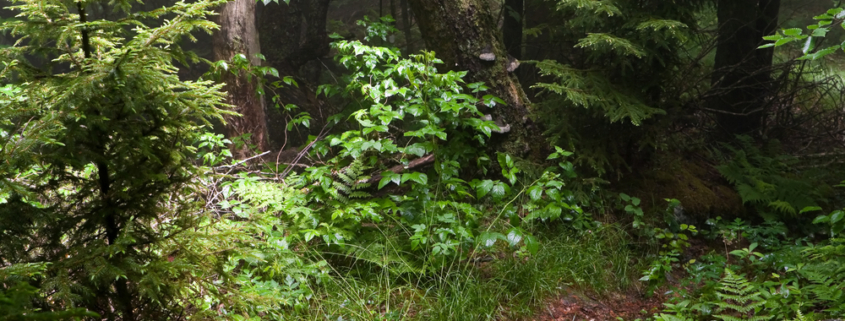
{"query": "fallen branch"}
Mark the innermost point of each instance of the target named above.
(419, 162)
(238, 163)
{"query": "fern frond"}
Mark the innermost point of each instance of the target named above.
(350, 182)
(740, 296)
(783, 207)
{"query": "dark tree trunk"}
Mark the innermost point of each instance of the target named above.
(767, 24)
(741, 81)
(406, 26)
(294, 39)
(237, 35)
(512, 27)
(465, 36)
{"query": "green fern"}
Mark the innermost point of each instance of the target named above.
(350, 183)
(800, 316)
(739, 296)
(768, 182)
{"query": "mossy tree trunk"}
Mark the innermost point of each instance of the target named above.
(238, 35)
(741, 81)
(464, 34)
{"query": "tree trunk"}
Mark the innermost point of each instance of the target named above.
(512, 27)
(237, 35)
(465, 36)
(767, 24)
(741, 79)
(294, 38)
(406, 27)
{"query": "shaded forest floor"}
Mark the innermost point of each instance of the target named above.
(574, 306)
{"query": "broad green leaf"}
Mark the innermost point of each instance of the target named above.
(792, 32)
(535, 192)
(498, 191)
(810, 209)
(836, 216)
(487, 239)
(484, 187)
(514, 236)
(821, 219)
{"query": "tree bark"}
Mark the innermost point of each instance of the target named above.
(512, 27)
(406, 27)
(293, 38)
(464, 34)
(238, 35)
(741, 79)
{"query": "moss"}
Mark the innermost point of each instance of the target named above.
(700, 188)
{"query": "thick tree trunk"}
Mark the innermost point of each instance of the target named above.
(512, 27)
(237, 35)
(741, 79)
(293, 38)
(464, 34)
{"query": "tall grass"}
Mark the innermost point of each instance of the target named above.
(599, 261)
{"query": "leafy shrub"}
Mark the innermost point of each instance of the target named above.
(389, 193)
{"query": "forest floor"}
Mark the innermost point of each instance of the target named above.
(627, 306)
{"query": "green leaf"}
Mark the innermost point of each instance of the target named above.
(783, 41)
(416, 177)
(416, 149)
(488, 239)
(810, 209)
(532, 244)
(535, 192)
(553, 211)
(498, 191)
(387, 177)
(792, 32)
(514, 236)
(821, 219)
(836, 216)
(484, 187)
(505, 161)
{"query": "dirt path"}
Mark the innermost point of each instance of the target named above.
(586, 307)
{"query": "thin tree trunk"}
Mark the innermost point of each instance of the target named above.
(238, 35)
(464, 34)
(512, 27)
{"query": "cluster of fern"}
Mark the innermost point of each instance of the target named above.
(789, 280)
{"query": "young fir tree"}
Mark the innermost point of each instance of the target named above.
(609, 71)
(97, 168)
